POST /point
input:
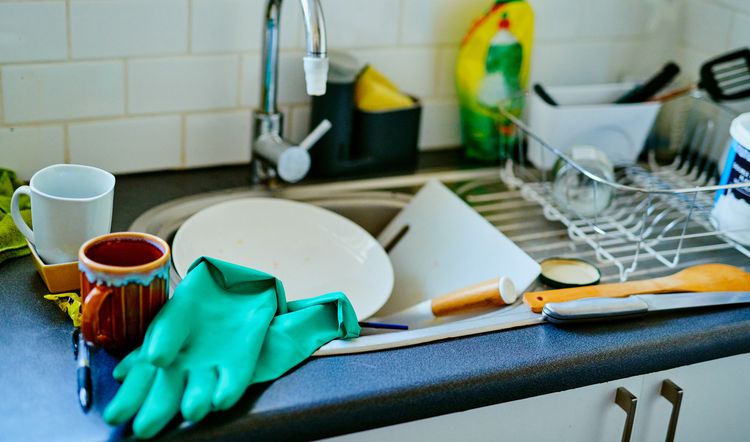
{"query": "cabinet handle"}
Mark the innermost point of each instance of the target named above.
(627, 401)
(673, 393)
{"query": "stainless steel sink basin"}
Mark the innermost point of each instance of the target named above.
(370, 203)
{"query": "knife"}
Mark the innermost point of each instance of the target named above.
(597, 309)
(456, 305)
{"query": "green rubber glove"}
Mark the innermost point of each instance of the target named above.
(225, 328)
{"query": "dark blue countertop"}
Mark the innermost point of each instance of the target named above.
(334, 395)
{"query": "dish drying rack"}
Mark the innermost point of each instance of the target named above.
(661, 206)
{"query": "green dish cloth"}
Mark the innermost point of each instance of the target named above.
(12, 242)
(225, 328)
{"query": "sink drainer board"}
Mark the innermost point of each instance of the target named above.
(659, 212)
(373, 203)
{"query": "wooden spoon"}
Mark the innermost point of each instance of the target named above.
(701, 278)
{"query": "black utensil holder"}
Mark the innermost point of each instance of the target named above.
(362, 142)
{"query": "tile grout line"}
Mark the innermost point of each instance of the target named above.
(447, 99)
(2, 103)
(240, 74)
(68, 32)
(66, 143)
(183, 141)
(189, 26)
(730, 30)
(289, 125)
(126, 86)
(400, 23)
(106, 118)
(187, 112)
(295, 51)
(114, 58)
(443, 56)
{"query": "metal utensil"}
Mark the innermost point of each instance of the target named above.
(596, 309)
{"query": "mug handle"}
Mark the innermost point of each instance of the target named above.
(90, 317)
(15, 212)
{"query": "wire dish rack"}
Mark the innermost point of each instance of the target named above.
(660, 206)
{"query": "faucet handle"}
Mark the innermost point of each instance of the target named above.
(317, 133)
(294, 162)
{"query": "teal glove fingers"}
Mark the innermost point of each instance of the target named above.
(161, 404)
(166, 336)
(199, 393)
(131, 394)
(236, 371)
(123, 368)
(233, 380)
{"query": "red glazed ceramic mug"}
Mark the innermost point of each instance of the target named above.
(124, 284)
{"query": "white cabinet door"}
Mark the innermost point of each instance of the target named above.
(714, 402)
(582, 414)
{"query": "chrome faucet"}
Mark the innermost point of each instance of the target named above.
(272, 155)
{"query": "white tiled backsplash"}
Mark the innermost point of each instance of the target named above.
(136, 85)
(712, 27)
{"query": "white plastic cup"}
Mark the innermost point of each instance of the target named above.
(70, 204)
(731, 213)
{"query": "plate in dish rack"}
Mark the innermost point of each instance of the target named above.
(313, 251)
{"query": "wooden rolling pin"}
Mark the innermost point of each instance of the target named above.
(701, 278)
(496, 292)
(493, 293)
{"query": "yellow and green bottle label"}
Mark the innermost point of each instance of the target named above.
(492, 71)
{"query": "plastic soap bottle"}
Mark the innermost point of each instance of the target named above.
(492, 71)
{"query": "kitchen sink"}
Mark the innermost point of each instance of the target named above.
(373, 203)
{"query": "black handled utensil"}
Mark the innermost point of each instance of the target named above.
(546, 97)
(726, 77)
(653, 85)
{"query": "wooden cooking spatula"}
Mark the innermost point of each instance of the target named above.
(701, 278)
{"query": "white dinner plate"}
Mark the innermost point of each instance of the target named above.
(311, 250)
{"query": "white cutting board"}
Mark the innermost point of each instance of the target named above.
(448, 246)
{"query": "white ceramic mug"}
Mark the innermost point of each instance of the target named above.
(70, 204)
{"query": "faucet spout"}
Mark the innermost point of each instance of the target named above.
(315, 62)
(269, 148)
(315, 28)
